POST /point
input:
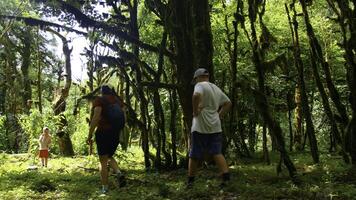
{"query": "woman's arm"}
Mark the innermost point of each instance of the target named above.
(94, 121)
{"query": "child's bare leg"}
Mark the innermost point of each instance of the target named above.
(45, 161)
(42, 161)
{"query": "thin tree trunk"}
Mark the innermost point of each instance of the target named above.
(231, 47)
(39, 75)
(325, 101)
(172, 126)
(252, 135)
(298, 133)
(347, 19)
(264, 142)
(26, 54)
(317, 56)
(291, 139)
(260, 96)
(143, 101)
(304, 98)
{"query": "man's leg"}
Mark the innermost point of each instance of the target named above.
(221, 163)
(192, 167)
(192, 170)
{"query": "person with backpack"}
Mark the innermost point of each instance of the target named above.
(209, 103)
(107, 120)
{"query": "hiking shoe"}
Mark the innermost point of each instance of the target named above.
(104, 191)
(223, 185)
(189, 185)
(121, 180)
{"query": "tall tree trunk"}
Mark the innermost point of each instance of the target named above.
(317, 52)
(65, 143)
(264, 145)
(261, 100)
(134, 31)
(291, 138)
(191, 33)
(304, 98)
(181, 34)
(317, 56)
(347, 20)
(252, 134)
(325, 101)
(162, 128)
(172, 127)
(203, 37)
(26, 54)
(91, 66)
(231, 46)
(39, 75)
(298, 117)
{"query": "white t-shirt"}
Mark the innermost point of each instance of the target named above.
(208, 121)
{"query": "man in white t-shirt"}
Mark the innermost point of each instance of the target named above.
(209, 105)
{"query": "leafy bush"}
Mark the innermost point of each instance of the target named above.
(78, 127)
(33, 124)
(3, 137)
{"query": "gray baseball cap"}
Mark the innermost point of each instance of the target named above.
(200, 72)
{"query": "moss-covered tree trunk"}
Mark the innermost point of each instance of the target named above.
(65, 143)
(304, 98)
(25, 67)
(347, 19)
(172, 125)
(261, 99)
(317, 56)
(191, 33)
(134, 31)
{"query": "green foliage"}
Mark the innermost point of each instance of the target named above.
(33, 124)
(79, 129)
(3, 136)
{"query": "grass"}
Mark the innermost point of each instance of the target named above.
(78, 178)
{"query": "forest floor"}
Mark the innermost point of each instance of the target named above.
(78, 178)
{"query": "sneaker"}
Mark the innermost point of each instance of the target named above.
(222, 185)
(121, 180)
(190, 182)
(189, 185)
(104, 191)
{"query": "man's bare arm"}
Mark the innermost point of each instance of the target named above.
(225, 108)
(196, 99)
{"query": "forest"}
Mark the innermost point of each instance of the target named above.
(288, 67)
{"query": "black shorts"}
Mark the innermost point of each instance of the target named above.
(107, 141)
(205, 144)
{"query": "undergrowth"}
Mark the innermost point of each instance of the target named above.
(78, 178)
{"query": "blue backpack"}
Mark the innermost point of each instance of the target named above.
(114, 114)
